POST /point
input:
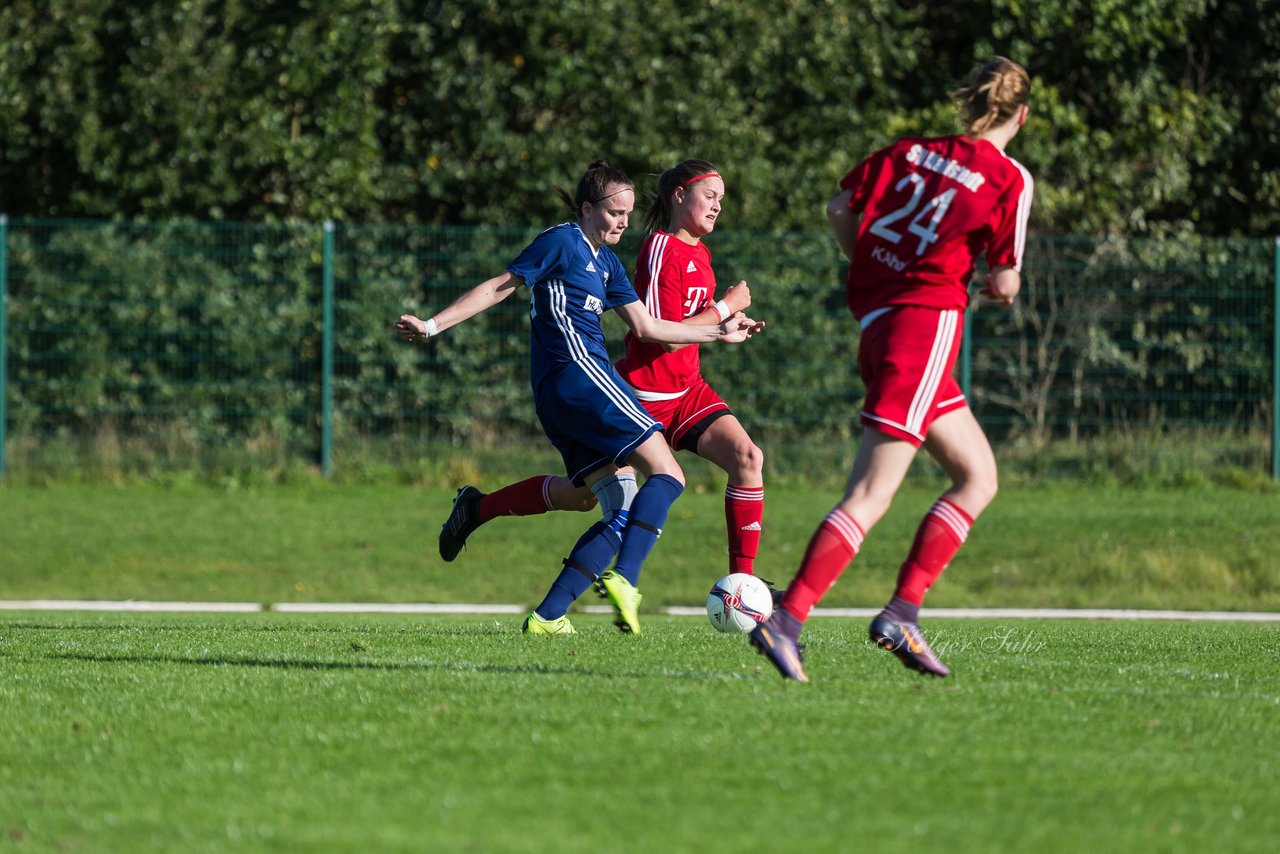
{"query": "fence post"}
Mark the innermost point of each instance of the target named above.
(1275, 367)
(326, 393)
(965, 356)
(4, 339)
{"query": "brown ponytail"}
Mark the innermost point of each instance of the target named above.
(997, 90)
(592, 186)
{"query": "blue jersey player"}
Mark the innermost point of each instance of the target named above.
(585, 408)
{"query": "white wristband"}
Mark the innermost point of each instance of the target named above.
(722, 309)
(429, 328)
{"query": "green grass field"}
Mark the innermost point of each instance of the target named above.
(166, 732)
(283, 732)
(1054, 545)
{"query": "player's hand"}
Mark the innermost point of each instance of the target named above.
(411, 328)
(991, 294)
(751, 326)
(1001, 285)
(738, 297)
(737, 328)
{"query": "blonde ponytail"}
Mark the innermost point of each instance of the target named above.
(997, 90)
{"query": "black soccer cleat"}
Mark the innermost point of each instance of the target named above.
(906, 641)
(463, 519)
(774, 593)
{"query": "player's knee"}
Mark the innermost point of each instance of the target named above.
(674, 472)
(987, 487)
(867, 507)
(977, 490)
(750, 460)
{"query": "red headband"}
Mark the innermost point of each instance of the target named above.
(696, 179)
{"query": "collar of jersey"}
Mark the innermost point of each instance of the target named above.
(595, 253)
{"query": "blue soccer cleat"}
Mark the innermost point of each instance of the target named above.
(906, 641)
(778, 639)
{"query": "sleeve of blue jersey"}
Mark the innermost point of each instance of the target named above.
(620, 290)
(539, 258)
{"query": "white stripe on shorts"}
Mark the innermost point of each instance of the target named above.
(933, 371)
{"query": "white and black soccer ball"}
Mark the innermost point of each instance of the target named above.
(738, 603)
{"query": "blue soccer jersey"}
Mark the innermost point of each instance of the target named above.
(571, 286)
(585, 408)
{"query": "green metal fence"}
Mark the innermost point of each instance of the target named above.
(177, 345)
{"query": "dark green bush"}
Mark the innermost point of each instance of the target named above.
(1155, 117)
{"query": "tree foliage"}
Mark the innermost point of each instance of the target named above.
(1150, 116)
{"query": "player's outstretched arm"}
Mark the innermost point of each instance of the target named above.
(483, 296)
(735, 328)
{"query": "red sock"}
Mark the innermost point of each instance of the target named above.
(743, 512)
(834, 544)
(526, 498)
(939, 537)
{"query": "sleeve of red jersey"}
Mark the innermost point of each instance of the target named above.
(1010, 227)
(858, 182)
(664, 296)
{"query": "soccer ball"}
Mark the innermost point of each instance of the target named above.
(738, 603)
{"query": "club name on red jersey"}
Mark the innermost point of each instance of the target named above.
(918, 155)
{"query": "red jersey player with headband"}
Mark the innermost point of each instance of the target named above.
(912, 219)
(675, 280)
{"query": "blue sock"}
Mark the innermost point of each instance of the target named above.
(648, 515)
(588, 559)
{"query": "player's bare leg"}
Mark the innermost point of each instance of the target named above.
(727, 444)
(563, 495)
(957, 442)
(878, 471)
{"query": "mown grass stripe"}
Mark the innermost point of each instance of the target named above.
(672, 611)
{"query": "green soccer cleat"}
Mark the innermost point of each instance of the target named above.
(624, 598)
(535, 625)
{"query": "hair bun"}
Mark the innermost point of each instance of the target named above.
(598, 164)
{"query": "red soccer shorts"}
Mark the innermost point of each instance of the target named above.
(906, 356)
(687, 416)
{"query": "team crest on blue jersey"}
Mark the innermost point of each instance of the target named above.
(593, 304)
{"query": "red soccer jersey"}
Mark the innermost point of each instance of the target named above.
(675, 281)
(929, 206)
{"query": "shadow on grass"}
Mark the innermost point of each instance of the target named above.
(451, 666)
(380, 627)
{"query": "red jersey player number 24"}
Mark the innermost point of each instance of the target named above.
(929, 206)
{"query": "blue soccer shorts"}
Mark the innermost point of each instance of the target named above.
(591, 417)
